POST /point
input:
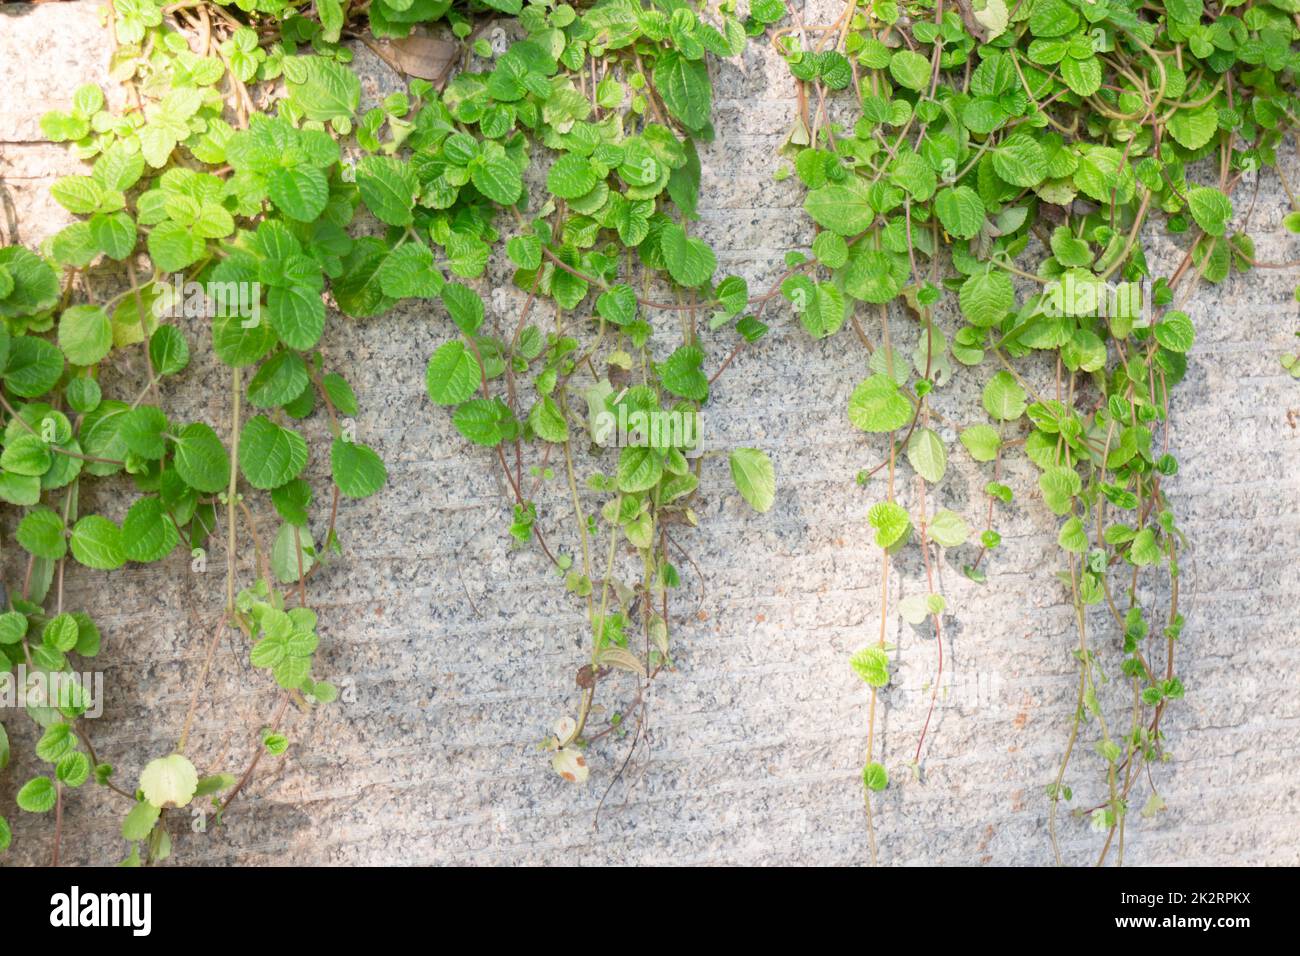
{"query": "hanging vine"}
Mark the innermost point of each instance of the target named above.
(978, 136)
(240, 186)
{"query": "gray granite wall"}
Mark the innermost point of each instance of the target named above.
(459, 651)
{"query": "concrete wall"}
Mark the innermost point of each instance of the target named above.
(462, 649)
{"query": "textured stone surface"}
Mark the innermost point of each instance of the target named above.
(460, 650)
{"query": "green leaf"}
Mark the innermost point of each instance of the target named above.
(870, 275)
(617, 304)
(548, 421)
(291, 501)
(357, 470)
(1020, 161)
(949, 529)
(986, 298)
(13, 628)
(1082, 76)
(83, 394)
(168, 350)
(331, 19)
(910, 70)
(408, 272)
(60, 127)
(215, 783)
(1211, 209)
(482, 421)
(1194, 128)
(57, 740)
(497, 177)
(388, 187)
(682, 374)
(73, 769)
(571, 177)
(874, 776)
(453, 374)
(37, 795)
(237, 344)
(927, 455)
(755, 477)
(297, 314)
(293, 554)
(1069, 250)
(525, 251)
(639, 469)
(78, 194)
(201, 459)
(174, 247)
(169, 781)
(41, 532)
(148, 531)
(464, 306)
(690, 261)
(1004, 399)
(120, 166)
(1059, 486)
(1144, 550)
(19, 489)
(35, 284)
(684, 183)
(141, 430)
(826, 311)
(1175, 331)
(280, 380)
(685, 88)
(1102, 173)
(877, 405)
(85, 334)
(960, 210)
(1185, 11)
(26, 454)
(114, 234)
(139, 823)
(1052, 18)
(97, 543)
(1072, 536)
(845, 209)
(270, 455)
(830, 249)
(982, 441)
(60, 633)
(322, 89)
(35, 366)
(872, 665)
(915, 175)
(891, 522)
(301, 192)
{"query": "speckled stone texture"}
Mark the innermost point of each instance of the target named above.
(458, 650)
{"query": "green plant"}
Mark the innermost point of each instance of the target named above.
(987, 133)
(611, 101)
(242, 224)
(981, 134)
(255, 208)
